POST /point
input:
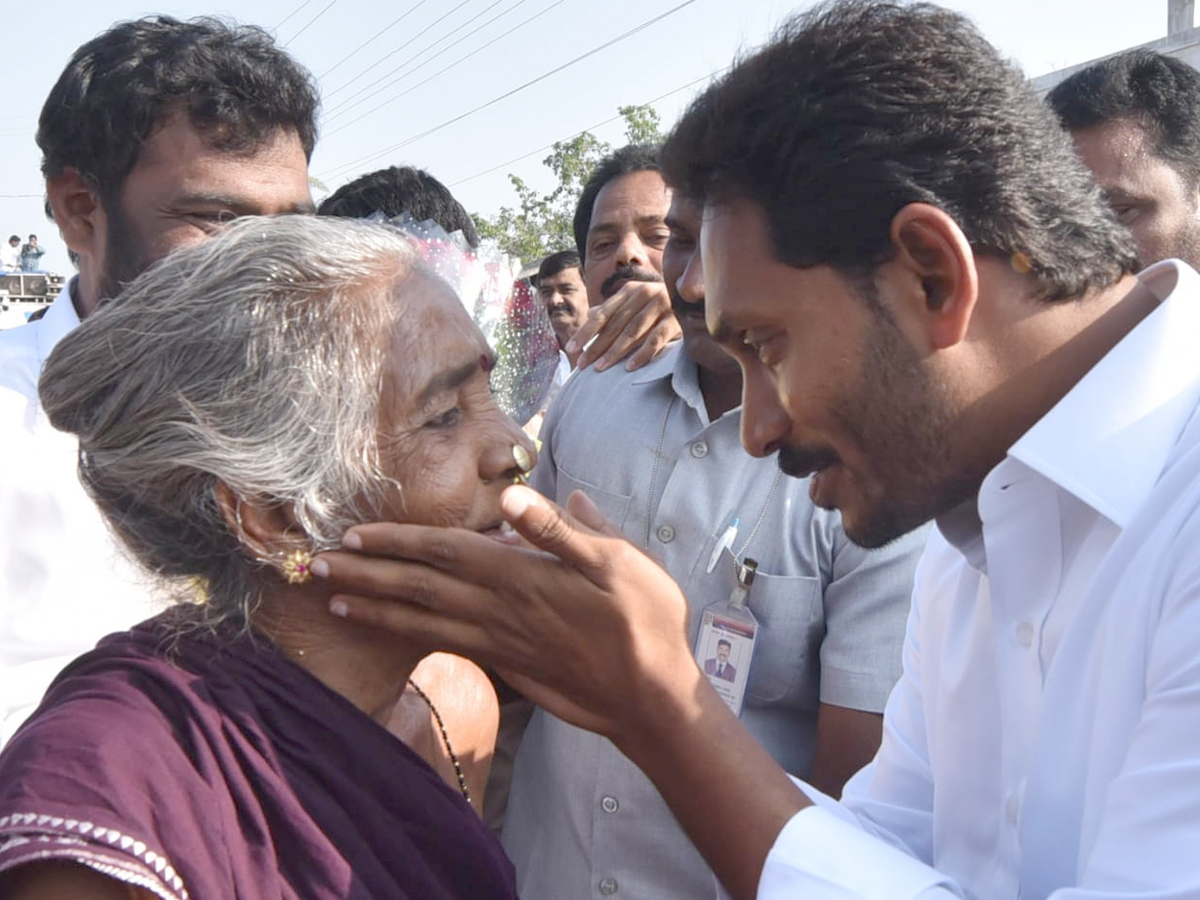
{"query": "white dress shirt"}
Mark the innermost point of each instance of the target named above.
(1044, 740)
(64, 583)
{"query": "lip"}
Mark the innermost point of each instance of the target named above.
(499, 531)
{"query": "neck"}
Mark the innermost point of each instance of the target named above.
(1043, 353)
(722, 391)
(362, 664)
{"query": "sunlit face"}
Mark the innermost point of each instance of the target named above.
(829, 381)
(1149, 196)
(565, 299)
(626, 235)
(180, 189)
(684, 275)
(441, 435)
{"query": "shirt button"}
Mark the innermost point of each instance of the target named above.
(1012, 808)
(1024, 634)
(608, 886)
(700, 449)
(609, 804)
(665, 533)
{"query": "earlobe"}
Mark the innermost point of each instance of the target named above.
(77, 211)
(929, 244)
(268, 532)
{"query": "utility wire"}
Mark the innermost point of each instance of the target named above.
(288, 17)
(346, 167)
(310, 21)
(377, 36)
(350, 102)
(379, 61)
(444, 69)
(572, 137)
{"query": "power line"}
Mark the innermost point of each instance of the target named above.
(346, 167)
(292, 13)
(379, 61)
(572, 137)
(377, 36)
(447, 68)
(350, 103)
(310, 21)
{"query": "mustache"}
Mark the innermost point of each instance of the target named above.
(682, 307)
(800, 463)
(556, 308)
(624, 274)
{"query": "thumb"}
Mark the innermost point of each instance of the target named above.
(586, 512)
(549, 527)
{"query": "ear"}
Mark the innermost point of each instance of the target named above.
(268, 532)
(77, 212)
(929, 246)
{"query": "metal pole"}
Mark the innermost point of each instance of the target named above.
(1180, 15)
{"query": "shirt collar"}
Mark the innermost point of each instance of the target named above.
(680, 370)
(1108, 440)
(59, 319)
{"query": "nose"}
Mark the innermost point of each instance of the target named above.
(690, 284)
(510, 454)
(765, 423)
(632, 251)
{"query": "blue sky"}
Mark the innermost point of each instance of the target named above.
(470, 54)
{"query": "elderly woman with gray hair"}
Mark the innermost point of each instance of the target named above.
(238, 407)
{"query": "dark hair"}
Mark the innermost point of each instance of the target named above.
(33, 237)
(1162, 94)
(558, 262)
(236, 86)
(397, 190)
(860, 107)
(619, 163)
(15, 237)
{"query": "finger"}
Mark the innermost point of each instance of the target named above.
(659, 337)
(554, 530)
(443, 569)
(585, 511)
(419, 625)
(646, 304)
(610, 318)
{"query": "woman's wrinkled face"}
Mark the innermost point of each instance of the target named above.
(441, 435)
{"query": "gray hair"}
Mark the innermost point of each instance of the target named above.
(253, 359)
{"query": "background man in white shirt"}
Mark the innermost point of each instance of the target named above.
(1135, 119)
(156, 131)
(934, 313)
(10, 255)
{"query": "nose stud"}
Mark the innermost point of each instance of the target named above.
(522, 458)
(524, 463)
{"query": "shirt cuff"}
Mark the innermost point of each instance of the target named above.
(819, 856)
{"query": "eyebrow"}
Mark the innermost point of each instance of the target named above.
(450, 379)
(237, 206)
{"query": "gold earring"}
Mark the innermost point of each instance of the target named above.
(296, 567)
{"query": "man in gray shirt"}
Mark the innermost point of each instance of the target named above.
(658, 451)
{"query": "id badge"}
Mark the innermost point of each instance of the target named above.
(725, 650)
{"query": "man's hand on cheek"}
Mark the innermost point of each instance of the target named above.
(635, 322)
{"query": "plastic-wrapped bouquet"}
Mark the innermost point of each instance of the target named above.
(505, 308)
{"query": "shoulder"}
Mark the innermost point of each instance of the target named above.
(20, 363)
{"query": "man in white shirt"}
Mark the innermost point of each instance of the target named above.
(935, 315)
(10, 255)
(156, 131)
